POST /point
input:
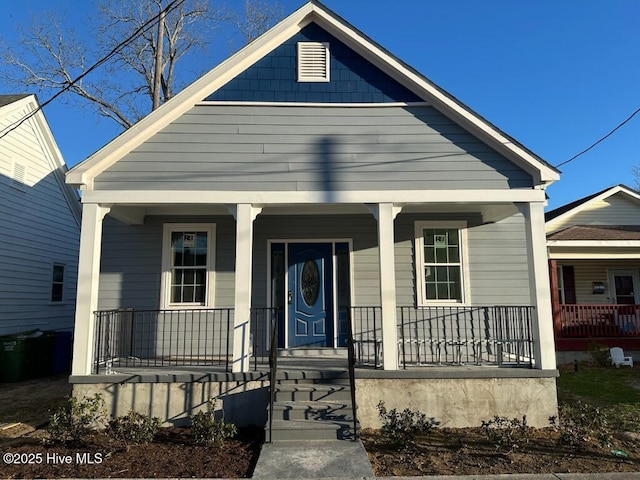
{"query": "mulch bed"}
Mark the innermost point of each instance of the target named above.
(172, 455)
(467, 451)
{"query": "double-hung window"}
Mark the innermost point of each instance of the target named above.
(440, 262)
(187, 279)
(57, 283)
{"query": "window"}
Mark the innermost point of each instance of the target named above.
(313, 62)
(57, 283)
(187, 279)
(560, 284)
(440, 253)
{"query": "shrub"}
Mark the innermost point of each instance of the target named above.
(580, 422)
(133, 428)
(507, 435)
(599, 353)
(400, 428)
(207, 430)
(74, 420)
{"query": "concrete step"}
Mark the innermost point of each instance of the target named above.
(310, 410)
(288, 430)
(313, 378)
(310, 352)
(312, 392)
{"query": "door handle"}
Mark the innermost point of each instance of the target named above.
(289, 297)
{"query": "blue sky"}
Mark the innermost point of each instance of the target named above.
(556, 75)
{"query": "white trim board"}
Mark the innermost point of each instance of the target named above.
(594, 243)
(312, 12)
(258, 198)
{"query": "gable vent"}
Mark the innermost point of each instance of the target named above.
(19, 176)
(313, 62)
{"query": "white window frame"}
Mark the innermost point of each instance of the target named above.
(53, 282)
(302, 78)
(421, 292)
(165, 294)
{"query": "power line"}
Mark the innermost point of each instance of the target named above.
(601, 140)
(174, 4)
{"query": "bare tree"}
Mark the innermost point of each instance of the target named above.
(50, 55)
(256, 18)
(635, 171)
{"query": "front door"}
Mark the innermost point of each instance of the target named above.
(310, 295)
(625, 287)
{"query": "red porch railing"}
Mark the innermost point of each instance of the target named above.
(593, 321)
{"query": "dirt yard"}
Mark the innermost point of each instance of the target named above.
(25, 406)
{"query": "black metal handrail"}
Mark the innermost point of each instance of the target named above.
(273, 370)
(351, 355)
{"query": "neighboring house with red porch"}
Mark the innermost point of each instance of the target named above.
(594, 259)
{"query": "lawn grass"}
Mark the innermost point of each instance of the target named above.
(602, 386)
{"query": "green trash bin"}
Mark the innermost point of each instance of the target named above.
(13, 358)
(25, 355)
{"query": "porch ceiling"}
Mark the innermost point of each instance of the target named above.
(135, 213)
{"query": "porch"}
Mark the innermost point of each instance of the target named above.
(579, 326)
(595, 300)
(148, 340)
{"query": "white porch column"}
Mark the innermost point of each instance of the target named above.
(385, 214)
(245, 214)
(539, 284)
(88, 284)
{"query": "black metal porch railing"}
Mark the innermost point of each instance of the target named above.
(470, 335)
(161, 338)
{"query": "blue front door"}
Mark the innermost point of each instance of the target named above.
(310, 295)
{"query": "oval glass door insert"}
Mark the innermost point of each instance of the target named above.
(310, 282)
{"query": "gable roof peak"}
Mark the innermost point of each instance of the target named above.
(313, 11)
(576, 206)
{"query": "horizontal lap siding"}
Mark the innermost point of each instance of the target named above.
(37, 229)
(588, 271)
(278, 148)
(618, 209)
(131, 266)
(498, 263)
(497, 259)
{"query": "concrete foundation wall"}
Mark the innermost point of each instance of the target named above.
(242, 403)
(454, 402)
(460, 402)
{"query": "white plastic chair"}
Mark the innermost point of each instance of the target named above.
(618, 358)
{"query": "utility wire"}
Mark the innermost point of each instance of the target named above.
(601, 140)
(174, 4)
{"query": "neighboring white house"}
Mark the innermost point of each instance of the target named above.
(39, 223)
(312, 179)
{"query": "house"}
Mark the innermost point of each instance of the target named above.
(594, 260)
(39, 223)
(310, 189)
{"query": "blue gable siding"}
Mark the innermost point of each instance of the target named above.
(274, 77)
